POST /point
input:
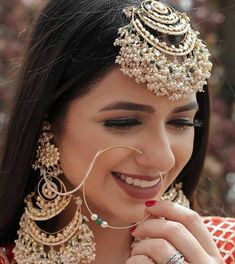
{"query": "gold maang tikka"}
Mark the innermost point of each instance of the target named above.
(73, 243)
(148, 56)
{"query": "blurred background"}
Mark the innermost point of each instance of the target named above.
(215, 19)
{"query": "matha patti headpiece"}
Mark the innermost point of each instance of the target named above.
(148, 55)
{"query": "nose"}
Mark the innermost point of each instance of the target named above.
(157, 151)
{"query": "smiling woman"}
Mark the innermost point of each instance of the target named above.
(127, 114)
(107, 139)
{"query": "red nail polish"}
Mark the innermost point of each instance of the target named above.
(132, 229)
(150, 203)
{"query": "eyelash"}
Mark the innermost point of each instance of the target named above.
(128, 123)
(182, 124)
(122, 123)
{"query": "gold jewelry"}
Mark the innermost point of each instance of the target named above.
(175, 194)
(147, 55)
(94, 216)
(73, 243)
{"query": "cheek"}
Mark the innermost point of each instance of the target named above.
(75, 154)
(77, 150)
(183, 149)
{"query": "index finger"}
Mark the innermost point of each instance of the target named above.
(189, 218)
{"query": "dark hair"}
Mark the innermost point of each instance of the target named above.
(71, 47)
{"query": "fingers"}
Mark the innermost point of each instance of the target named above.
(156, 249)
(188, 218)
(175, 234)
(139, 259)
(173, 228)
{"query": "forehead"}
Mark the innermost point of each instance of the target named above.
(116, 87)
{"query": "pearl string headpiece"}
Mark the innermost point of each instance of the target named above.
(148, 56)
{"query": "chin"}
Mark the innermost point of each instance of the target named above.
(127, 215)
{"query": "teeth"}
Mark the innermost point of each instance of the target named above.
(123, 177)
(138, 182)
(129, 180)
(144, 184)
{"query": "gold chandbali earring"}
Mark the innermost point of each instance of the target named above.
(71, 244)
(175, 194)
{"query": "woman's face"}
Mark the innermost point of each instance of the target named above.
(118, 111)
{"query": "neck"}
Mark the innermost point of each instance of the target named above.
(112, 246)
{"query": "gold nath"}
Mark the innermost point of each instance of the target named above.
(160, 48)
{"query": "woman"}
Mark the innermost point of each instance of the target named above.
(86, 141)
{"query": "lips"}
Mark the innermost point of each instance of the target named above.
(138, 186)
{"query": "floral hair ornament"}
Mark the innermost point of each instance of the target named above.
(160, 48)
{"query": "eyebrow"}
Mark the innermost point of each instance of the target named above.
(130, 106)
(191, 106)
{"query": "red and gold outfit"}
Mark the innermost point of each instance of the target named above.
(222, 230)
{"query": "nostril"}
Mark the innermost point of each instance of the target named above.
(159, 160)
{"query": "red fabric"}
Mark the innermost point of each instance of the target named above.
(222, 230)
(6, 255)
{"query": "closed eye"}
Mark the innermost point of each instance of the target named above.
(122, 123)
(183, 123)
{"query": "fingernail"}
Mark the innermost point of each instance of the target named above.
(132, 229)
(150, 203)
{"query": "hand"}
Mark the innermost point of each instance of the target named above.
(173, 228)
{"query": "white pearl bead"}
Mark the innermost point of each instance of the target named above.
(104, 224)
(94, 217)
